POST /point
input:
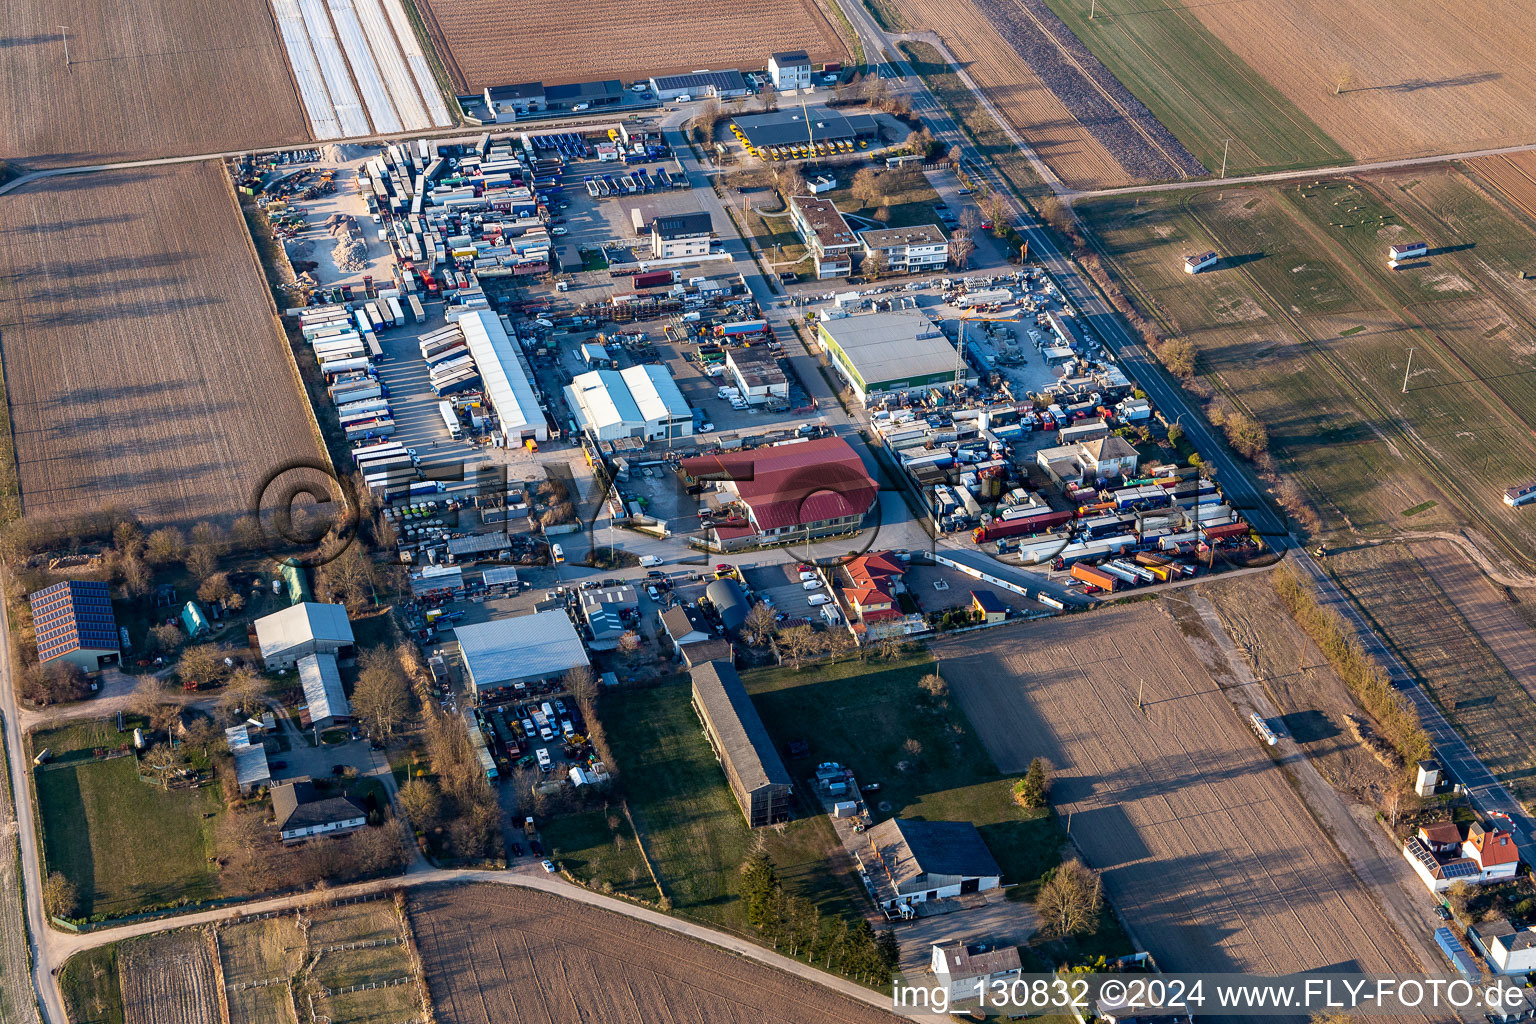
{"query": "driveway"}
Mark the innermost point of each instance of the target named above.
(988, 918)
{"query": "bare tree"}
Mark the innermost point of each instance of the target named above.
(382, 696)
(581, 681)
(161, 761)
(165, 545)
(873, 265)
(1070, 900)
(934, 686)
(961, 248)
(202, 663)
(60, 897)
(202, 561)
(167, 636)
(970, 221)
(761, 624)
(995, 207)
(215, 589)
(422, 803)
(866, 187)
(798, 642)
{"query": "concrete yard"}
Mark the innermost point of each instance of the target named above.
(1204, 846)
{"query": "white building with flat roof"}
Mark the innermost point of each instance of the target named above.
(884, 353)
(638, 401)
(507, 379)
(522, 649)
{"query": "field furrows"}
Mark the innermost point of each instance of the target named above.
(624, 39)
(1072, 150)
(1384, 80)
(1204, 846)
(495, 954)
(169, 979)
(142, 359)
(163, 78)
(1094, 97)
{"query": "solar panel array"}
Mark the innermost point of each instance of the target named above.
(71, 616)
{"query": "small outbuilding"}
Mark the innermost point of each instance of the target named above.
(912, 862)
(989, 606)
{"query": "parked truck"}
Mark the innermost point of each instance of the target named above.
(419, 313)
(1094, 577)
(656, 278)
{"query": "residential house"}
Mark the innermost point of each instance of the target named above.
(989, 606)
(1441, 856)
(302, 812)
(1101, 459)
(606, 613)
(790, 69)
(681, 234)
(968, 972)
(908, 250)
(1508, 949)
(912, 862)
(821, 225)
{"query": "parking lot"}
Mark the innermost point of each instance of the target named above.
(780, 585)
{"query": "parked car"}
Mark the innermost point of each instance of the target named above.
(548, 866)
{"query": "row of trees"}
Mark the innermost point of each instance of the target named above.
(458, 806)
(795, 924)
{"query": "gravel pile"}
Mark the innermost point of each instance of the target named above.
(1093, 96)
(350, 255)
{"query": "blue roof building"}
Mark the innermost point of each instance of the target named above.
(74, 621)
(194, 621)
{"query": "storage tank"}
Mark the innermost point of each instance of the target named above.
(729, 601)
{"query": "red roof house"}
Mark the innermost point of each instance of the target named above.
(808, 488)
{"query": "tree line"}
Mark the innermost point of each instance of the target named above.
(796, 925)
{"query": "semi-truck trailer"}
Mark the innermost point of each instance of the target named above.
(1092, 576)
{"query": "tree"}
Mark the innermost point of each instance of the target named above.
(210, 536)
(202, 663)
(1175, 434)
(161, 761)
(629, 643)
(55, 682)
(920, 142)
(761, 624)
(422, 803)
(1178, 355)
(836, 642)
(148, 694)
(136, 575)
(955, 155)
(1070, 900)
(1034, 788)
(347, 579)
(581, 682)
(866, 187)
(707, 119)
(913, 747)
(243, 692)
(127, 538)
(970, 221)
(165, 545)
(60, 897)
(961, 248)
(382, 697)
(934, 686)
(166, 637)
(202, 561)
(873, 265)
(798, 642)
(759, 884)
(215, 588)
(996, 209)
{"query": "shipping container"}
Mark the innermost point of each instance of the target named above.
(450, 419)
(417, 311)
(1021, 526)
(396, 313)
(1224, 531)
(653, 279)
(1088, 574)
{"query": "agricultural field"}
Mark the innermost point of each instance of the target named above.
(160, 78)
(170, 978)
(125, 843)
(1512, 177)
(1305, 326)
(18, 1003)
(1176, 802)
(358, 964)
(144, 365)
(1080, 133)
(482, 48)
(496, 953)
(258, 957)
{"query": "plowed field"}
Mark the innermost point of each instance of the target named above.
(1204, 846)
(553, 43)
(169, 979)
(142, 360)
(144, 79)
(497, 955)
(1513, 177)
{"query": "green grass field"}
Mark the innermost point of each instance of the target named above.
(88, 982)
(1197, 87)
(862, 715)
(688, 820)
(127, 845)
(597, 846)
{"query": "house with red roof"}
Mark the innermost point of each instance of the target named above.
(871, 597)
(798, 490)
(1442, 856)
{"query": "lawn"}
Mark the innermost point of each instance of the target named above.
(693, 832)
(88, 982)
(126, 844)
(907, 201)
(598, 847)
(863, 715)
(1196, 86)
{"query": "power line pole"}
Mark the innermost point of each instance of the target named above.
(1224, 144)
(1093, 6)
(64, 34)
(1407, 370)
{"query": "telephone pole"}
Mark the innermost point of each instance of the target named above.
(64, 34)
(1225, 143)
(1407, 370)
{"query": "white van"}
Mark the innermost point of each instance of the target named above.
(650, 561)
(817, 599)
(543, 755)
(557, 553)
(811, 585)
(807, 576)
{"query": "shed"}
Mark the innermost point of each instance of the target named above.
(194, 621)
(325, 700)
(989, 606)
(741, 743)
(730, 602)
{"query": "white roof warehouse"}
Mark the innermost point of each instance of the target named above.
(519, 650)
(880, 352)
(639, 401)
(508, 383)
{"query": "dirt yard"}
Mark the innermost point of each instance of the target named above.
(169, 979)
(1441, 76)
(495, 954)
(483, 47)
(143, 363)
(150, 78)
(1204, 846)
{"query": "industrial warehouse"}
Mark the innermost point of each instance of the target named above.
(640, 401)
(884, 353)
(812, 126)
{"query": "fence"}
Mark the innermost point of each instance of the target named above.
(391, 983)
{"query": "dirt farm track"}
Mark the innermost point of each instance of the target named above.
(142, 358)
(499, 955)
(1204, 846)
(484, 44)
(144, 79)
